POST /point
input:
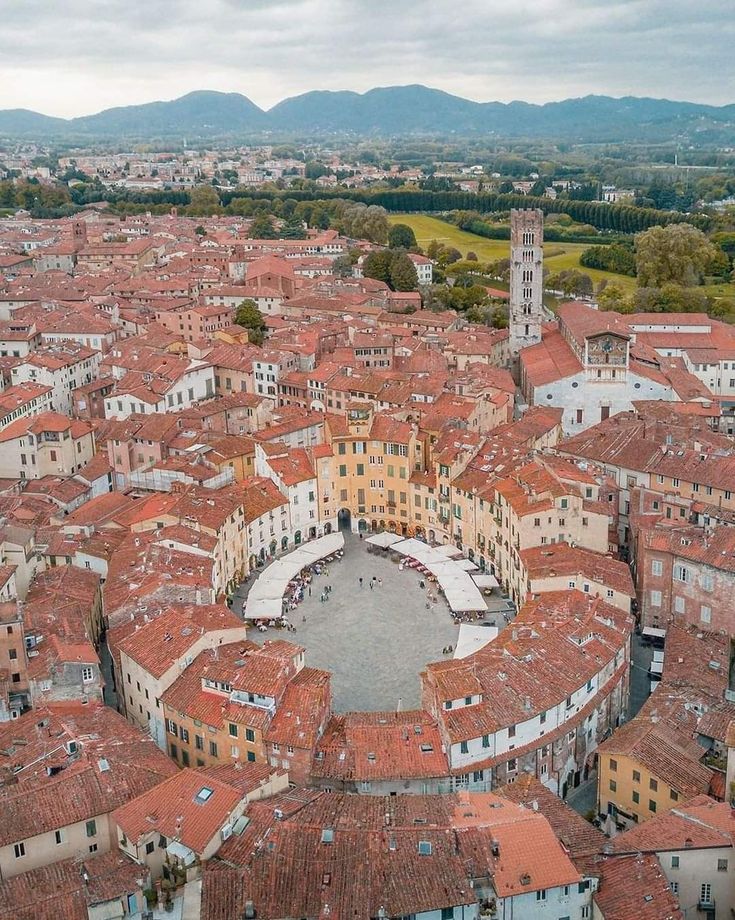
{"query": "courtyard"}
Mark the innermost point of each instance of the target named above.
(374, 641)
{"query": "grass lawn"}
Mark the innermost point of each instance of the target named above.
(565, 255)
(720, 290)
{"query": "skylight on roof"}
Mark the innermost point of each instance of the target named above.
(204, 795)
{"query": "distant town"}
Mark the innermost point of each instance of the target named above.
(368, 538)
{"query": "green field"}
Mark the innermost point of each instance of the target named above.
(558, 255)
(564, 255)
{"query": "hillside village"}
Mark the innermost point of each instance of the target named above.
(558, 497)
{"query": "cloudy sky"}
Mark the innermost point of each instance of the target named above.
(68, 57)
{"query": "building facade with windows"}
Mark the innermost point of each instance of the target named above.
(687, 574)
(158, 651)
(694, 846)
(72, 766)
(539, 698)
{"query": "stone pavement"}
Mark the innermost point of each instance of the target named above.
(375, 642)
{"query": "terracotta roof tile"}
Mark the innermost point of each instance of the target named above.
(635, 887)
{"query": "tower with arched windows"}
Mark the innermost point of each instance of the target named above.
(526, 278)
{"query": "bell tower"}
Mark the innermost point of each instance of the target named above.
(526, 279)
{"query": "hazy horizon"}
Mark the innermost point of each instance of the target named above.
(318, 89)
(72, 59)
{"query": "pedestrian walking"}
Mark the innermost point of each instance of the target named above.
(360, 580)
(371, 585)
(309, 590)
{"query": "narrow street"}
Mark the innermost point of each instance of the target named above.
(583, 799)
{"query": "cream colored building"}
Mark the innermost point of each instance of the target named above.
(156, 653)
(373, 458)
(694, 846)
(72, 768)
(49, 444)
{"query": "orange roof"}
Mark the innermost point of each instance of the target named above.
(701, 823)
(635, 887)
(552, 359)
(155, 646)
(364, 746)
(188, 807)
(530, 857)
(581, 839)
(561, 559)
(45, 421)
(664, 750)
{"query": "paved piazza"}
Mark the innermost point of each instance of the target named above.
(376, 642)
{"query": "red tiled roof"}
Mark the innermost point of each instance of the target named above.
(664, 750)
(176, 810)
(305, 849)
(365, 746)
(635, 888)
(115, 763)
(700, 823)
(552, 359)
(156, 645)
(561, 559)
(581, 839)
(67, 890)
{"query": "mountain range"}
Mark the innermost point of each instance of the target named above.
(386, 111)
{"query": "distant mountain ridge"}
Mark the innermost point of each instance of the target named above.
(391, 110)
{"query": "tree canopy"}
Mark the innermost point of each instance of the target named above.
(393, 267)
(403, 275)
(366, 222)
(249, 316)
(401, 236)
(204, 201)
(675, 254)
(262, 228)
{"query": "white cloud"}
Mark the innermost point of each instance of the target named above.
(77, 57)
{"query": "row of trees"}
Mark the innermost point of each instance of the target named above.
(618, 217)
(563, 228)
(669, 298)
(204, 200)
(34, 197)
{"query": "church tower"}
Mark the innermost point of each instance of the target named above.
(526, 279)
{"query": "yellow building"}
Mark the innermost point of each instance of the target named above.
(646, 768)
(373, 458)
(219, 709)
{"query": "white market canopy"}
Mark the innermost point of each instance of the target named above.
(472, 638)
(384, 539)
(461, 592)
(265, 598)
(448, 549)
(484, 581)
(467, 564)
